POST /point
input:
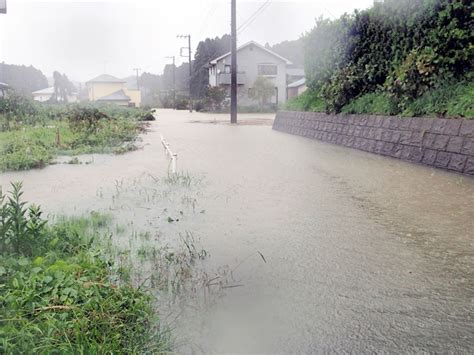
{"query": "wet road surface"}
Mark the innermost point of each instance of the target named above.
(362, 253)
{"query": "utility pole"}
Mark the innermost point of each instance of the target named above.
(174, 80)
(138, 83)
(190, 67)
(233, 75)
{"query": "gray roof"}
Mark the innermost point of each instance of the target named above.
(213, 62)
(106, 78)
(49, 90)
(116, 96)
(297, 83)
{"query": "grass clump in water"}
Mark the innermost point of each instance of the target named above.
(59, 292)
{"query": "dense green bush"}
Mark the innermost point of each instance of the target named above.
(58, 293)
(404, 48)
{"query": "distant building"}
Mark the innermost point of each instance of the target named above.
(45, 95)
(253, 60)
(108, 89)
(3, 89)
(297, 88)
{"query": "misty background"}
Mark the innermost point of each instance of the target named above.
(86, 38)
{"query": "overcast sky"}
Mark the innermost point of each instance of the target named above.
(84, 38)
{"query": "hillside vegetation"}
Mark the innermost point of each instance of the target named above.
(409, 57)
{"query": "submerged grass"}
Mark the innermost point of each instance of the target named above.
(29, 143)
(61, 291)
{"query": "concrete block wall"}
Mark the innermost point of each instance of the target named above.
(441, 143)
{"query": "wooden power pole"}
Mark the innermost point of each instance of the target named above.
(233, 75)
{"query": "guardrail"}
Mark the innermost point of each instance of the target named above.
(173, 156)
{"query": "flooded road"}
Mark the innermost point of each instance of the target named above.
(334, 250)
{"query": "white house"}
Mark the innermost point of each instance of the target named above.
(45, 95)
(253, 60)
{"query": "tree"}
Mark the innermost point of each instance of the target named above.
(23, 79)
(292, 50)
(262, 91)
(215, 97)
(206, 51)
(63, 87)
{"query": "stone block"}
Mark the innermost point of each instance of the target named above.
(351, 130)
(426, 124)
(395, 138)
(387, 148)
(386, 123)
(417, 138)
(351, 141)
(416, 155)
(441, 142)
(371, 145)
(394, 122)
(379, 147)
(404, 123)
(371, 121)
(405, 137)
(469, 167)
(455, 144)
(397, 151)
(457, 162)
(442, 159)
(406, 152)
(438, 126)
(364, 120)
(467, 129)
(387, 135)
(428, 140)
(468, 146)
(429, 157)
(452, 127)
(378, 134)
(357, 131)
(378, 121)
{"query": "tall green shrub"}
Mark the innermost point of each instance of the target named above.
(404, 47)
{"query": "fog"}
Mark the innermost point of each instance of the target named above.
(86, 38)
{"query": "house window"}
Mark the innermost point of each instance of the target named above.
(267, 69)
(227, 69)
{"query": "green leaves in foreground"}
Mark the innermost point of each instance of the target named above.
(59, 297)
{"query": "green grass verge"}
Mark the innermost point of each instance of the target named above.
(59, 293)
(307, 101)
(449, 100)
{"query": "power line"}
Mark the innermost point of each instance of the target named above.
(253, 17)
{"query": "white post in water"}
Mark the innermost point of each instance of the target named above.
(174, 157)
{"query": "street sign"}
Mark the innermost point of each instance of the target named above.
(3, 6)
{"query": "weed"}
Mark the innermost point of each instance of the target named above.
(57, 290)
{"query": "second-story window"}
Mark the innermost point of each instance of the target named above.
(267, 69)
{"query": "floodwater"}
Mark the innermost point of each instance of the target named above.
(334, 250)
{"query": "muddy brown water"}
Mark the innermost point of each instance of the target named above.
(362, 253)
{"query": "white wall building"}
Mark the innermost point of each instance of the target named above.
(253, 60)
(45, 95)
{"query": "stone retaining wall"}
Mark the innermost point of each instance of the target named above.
(441, 143)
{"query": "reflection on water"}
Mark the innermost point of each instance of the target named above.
(362, 253)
